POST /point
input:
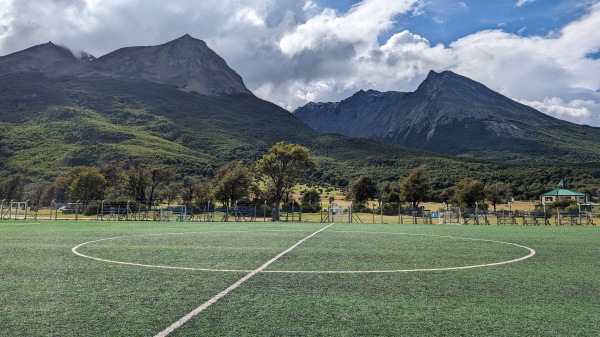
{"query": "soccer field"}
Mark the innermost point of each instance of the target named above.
(139, 278)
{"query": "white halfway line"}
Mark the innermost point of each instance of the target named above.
(232, 287)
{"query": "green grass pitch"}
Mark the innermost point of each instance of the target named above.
(328, 285)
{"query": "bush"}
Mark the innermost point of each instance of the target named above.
(311, 197)
(564, 204)
(572, 208)
(361, 208)
(311, 208)
(91, 208)
(390, 208)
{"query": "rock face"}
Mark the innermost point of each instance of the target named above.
(448, 113)
(41, 58)
(186, 62)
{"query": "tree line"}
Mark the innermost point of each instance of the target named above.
(269, 180)
(417, 187)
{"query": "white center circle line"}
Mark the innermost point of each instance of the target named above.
(532, 252)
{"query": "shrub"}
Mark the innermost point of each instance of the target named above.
(311, 208)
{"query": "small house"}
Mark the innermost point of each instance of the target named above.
(564, 194)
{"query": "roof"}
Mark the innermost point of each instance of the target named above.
(563, 193)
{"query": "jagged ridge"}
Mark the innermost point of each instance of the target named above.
(451, 114)
(186, 62)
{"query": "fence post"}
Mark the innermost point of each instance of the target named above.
(26, 208)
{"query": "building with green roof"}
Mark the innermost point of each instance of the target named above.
(564, 194)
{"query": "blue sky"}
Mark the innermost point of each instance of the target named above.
(442, 21)
(543, 53)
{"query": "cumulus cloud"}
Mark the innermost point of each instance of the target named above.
(521, 3)
(535, 67)
(577, 111)
(291, 52)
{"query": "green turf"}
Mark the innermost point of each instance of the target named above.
(45, 289)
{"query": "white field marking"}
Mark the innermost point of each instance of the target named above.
(76, 252)
(531, 253)
(232, 287)
(20, 223)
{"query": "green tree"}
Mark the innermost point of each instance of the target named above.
(13, 187)
(496, 193)
(311, 201)
(416, 187)
(232, 182)
(89, 184)
(564, 203)
(363, 189)
(196, 191)
(446, 195)
(138, 180)
(143, 181)
(311, 197)
(468, 191)
(390, 192)
(36, 192)
(158, 177)
(171, 191)
(59, 190)
(284, 165)
(116, 180)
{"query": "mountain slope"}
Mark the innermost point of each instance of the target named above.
(39, 58)
(454, 115)
(83, 121)
(48, 124)
(186, 63)
(57, 112)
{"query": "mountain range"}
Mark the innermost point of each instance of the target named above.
(180, 104)
(454, 115)
(186, 63)
(59, 110)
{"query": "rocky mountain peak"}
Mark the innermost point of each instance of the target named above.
(40, 58)
(450, 81)
(186, 62)
(445, 107)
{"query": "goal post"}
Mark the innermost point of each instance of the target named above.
(337, 213)
(19, 206)
(177, 212)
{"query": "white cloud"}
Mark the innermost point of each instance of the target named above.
(360, 25)
(578, 111)
(532, 68)
(523, 2)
